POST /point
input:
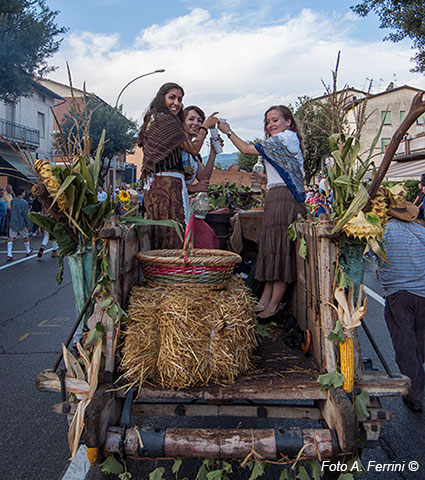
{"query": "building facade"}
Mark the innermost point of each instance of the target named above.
(26, 125)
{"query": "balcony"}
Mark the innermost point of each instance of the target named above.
(13, 132)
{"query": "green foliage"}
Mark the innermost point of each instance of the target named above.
(176, 465)
(292, 232)
(331, 380)
(360, 403)
(412, 189)
(246, 162)
(303, 251)
(111, 466)
(405, 18)
(28, 36)
(337, 334)
(95, 334)
(314, 117)
(231, 196)
(122, 132)
(157, 474)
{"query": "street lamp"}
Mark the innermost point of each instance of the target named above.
(160, 70)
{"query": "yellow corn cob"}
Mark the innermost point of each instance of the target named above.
(92, 454)
(346, 351)
(44, 171)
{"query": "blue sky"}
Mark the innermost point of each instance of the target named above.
(237, 57)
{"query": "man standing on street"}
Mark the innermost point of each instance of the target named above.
(19, 223)
(403, 280)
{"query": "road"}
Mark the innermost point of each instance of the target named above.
(37, 315)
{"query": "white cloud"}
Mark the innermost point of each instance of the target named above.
(225, 65)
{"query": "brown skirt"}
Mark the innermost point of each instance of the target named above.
(164, 201)
(276, 252)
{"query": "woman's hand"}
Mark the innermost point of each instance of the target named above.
(201, 186)
(224, 127)
(211, 121)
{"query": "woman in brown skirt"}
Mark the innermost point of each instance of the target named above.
(162, 139)
(284, 201)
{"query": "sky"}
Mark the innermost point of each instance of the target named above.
(237, 57)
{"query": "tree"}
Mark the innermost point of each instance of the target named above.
(27, 37)
(246, 162)
(96, 115)
(405, 17)
(314, 117)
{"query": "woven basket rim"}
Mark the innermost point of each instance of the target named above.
(198, 256)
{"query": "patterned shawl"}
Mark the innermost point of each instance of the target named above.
(283, 151)
(161, 138)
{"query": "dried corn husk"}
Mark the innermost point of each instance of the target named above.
(178, 337)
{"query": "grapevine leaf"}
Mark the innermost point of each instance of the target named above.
(95, 334)
(215, 475)
(257, 471)
(285, 475)
(157, 474)
(302, 251)
(176, 465)
(346, 476)
(337, 334)
(302, 473)
(111, 466)
(316, 469)
(262, 330)
(360, 403)
(106, 303)
(292, 232)
(202, 473)
(226, 467)
(331, 380)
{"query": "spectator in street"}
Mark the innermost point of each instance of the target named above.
(3, 212)
(101, 194)
(403, 280)
(19, 223)
(45, 240)
(8, 197)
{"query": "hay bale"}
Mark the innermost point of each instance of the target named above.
(182, 336)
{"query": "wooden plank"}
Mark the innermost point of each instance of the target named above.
(272, 388)
(326, 271)
(379, 384)
(190, 410)
(339, 414)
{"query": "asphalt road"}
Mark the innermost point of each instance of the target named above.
(36, 316)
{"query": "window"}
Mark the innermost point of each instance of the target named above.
(402, 115)
(420, 120)
(41, 124)
(386, 118)
(384, 143)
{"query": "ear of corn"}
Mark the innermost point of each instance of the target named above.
(346, 351)
(44, 171)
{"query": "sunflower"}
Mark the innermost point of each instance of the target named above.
(124, 196)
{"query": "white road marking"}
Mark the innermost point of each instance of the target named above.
(79, 467)
(15, 262)
(374, 295)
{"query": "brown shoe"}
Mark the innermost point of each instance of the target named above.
(54, 253)
(40, 252)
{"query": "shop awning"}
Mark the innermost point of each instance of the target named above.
(400, 171)
(15, 166)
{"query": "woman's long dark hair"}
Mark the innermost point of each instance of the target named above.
(158, 105)
(287, 115)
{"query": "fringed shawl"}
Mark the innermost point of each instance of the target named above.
(162, 137)
(283, 151)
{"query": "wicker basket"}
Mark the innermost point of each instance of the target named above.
(202, 267)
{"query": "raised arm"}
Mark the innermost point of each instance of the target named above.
(240, 144)
(194, 147)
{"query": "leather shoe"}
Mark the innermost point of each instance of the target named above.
(414, 406)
